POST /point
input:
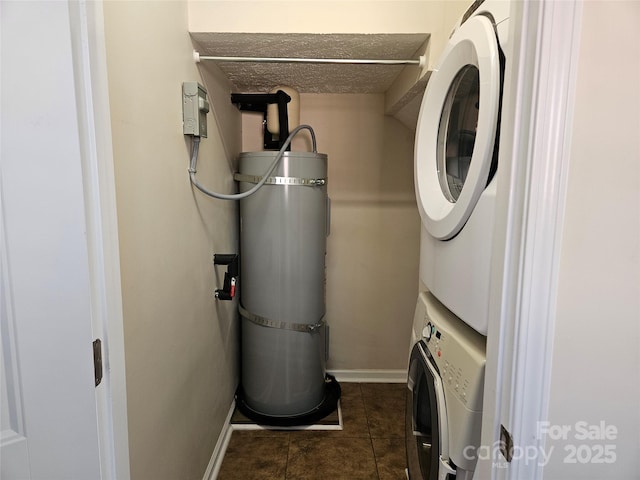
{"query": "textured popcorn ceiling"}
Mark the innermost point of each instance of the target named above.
(310, 78)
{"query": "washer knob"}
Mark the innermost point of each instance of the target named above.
(426, 331)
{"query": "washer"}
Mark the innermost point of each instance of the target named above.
(456, 152)
(444, 396)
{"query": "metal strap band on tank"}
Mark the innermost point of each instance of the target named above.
(265, 322)
(304, 182)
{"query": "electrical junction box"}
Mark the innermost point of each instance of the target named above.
(194, 109)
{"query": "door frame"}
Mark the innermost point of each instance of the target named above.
(91, 85)
(537, 122)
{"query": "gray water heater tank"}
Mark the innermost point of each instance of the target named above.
(283, 237)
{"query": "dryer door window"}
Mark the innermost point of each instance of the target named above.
(456, 131)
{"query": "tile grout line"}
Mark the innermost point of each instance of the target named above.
(375, 458)
(366, 414)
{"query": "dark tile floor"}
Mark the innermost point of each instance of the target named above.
(370, 446)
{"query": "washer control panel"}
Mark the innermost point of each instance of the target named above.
(458, 351)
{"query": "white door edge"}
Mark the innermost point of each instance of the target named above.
(539, 89)
(90, 70)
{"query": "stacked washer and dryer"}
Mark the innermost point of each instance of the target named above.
(456, 160)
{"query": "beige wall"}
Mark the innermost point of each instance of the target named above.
(373, 249)
(180, 344)
(353, 16)
(596, 360)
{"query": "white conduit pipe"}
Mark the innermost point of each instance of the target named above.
(265, 177)
(422, 61)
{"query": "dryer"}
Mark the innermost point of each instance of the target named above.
(455, 163)
(444, 396)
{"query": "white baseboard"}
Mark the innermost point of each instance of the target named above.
(221, 447)
(370, 376)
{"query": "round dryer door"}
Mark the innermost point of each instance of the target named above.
(456, 128)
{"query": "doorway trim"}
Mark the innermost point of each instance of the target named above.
(92, 93)
(545, 40)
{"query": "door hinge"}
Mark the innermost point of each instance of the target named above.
(97, 360)
(506, 444)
